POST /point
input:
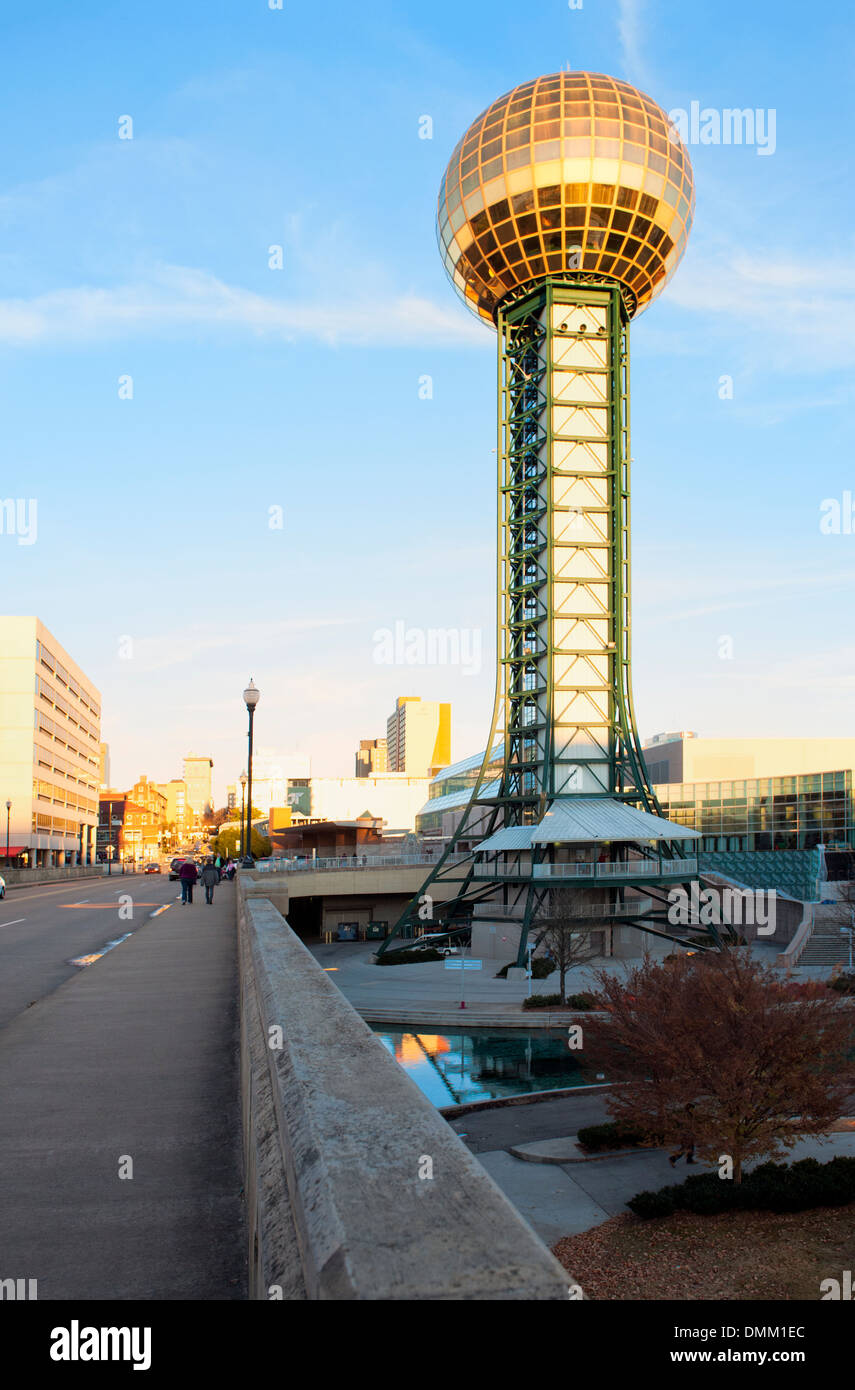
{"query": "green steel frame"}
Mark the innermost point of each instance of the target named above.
(538, 770)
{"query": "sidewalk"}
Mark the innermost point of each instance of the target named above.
(136, 1056)
(565, 1199)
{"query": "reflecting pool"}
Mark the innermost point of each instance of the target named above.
(455, 1067)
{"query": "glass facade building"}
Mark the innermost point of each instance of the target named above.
(765, 813)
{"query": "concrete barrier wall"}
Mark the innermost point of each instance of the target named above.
(338, 1143)
(22, 878)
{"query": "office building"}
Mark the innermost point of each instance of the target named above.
(371, 757)
(50, 727)
(418, 736)
(198, 771)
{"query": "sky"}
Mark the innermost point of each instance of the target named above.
(236, 467)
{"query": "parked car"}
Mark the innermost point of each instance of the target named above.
(152, 868)
(2, 887)
(173, 868)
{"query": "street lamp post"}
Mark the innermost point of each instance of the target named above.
(8, 814)
(242, 780)
(251, 697)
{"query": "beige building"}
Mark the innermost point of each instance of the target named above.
(393, 798)
(371, 757)
(50, 744)
(684, 757)
(418, 736)
(104, 765)
(198, 771)
(175, 794)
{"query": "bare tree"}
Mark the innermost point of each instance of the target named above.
(720, 1045)
(564, 930)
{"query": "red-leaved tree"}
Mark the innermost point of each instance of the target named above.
(717, 1049)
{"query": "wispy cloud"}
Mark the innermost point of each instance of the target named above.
(798, 315)
(630, 35)
(182, 299)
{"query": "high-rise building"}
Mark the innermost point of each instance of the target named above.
(418, 736)
(197, 779)
(104, 764)
(371, 757)
(50, 741)
(176, 814)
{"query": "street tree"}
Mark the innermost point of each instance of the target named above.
(719, 1047)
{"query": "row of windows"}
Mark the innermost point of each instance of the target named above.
(46, 791)
(48, 694)
(56, 668)
(51, 762)
(799, 784)
(60, 734)
(54, 824)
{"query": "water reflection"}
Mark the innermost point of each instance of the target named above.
(453, 1068)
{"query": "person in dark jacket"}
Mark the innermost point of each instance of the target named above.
(210, 879)
(188, 875)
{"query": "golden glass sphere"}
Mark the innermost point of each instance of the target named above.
(575, 173)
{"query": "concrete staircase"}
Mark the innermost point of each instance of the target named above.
(827, 945)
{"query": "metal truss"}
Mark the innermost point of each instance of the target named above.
(563, 699)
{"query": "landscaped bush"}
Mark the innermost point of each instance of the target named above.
(553, 1001)
(540, 968)
(544, 1001)
(614, 1135)
(408, 957)
(844, 983)
(776, 1187)
(582, 1001)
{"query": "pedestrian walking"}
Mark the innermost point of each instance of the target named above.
(188, 876)
(210, 879)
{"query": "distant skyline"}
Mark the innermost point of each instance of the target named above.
(241, 470)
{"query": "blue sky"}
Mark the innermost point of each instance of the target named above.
(298, 388)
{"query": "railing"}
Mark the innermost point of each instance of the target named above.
(624, 868)
(347, 861)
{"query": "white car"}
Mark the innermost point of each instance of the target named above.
(2, 887)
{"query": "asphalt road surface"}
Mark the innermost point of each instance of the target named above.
(42, 929)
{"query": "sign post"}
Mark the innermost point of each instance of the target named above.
(464, 966)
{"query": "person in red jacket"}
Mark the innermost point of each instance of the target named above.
(188, 875)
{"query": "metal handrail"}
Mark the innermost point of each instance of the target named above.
(624, 868)
(340, 861)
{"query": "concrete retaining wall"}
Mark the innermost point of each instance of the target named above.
(30, 878)
(337, 1141)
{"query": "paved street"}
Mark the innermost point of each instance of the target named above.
(43, 928)
(133, 1057)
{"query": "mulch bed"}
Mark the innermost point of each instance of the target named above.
(738, 1255)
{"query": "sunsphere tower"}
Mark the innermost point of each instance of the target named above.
(563, 212)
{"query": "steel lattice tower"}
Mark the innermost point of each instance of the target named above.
(564, 210)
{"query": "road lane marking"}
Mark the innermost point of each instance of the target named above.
(96, 955)
(101, 907)
(164, 908)
(13, 922)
